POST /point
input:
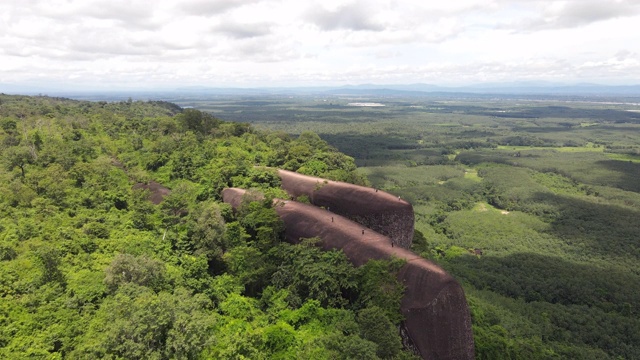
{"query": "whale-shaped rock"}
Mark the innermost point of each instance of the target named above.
(437, 320)
(378, 210)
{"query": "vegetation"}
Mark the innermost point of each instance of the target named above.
(91, 268)
(531, 204)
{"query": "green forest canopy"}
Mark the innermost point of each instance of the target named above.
(545, 189)
(90, 268)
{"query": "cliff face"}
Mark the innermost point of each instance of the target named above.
(437, 323)
(375, 209)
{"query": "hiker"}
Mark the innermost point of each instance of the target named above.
(332, 219)
(362, 231)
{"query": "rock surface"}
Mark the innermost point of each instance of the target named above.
(437, 323)
(157, 192)
(378, 210)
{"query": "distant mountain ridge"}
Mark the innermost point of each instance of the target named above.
(416, 89)
(501, 88)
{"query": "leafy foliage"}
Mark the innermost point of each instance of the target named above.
(531, 203)
(114, 242)
(310, 273)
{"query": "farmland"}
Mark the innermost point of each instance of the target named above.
(546, 188)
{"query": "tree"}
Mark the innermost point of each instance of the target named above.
(308, 272)
(51, 182)
(261, 221)
(9, 126)
(379, 287)
(139, 270)
(350, 347)
(208, 231)
(193, 324)
(279, 340)
(198, 121)
(137, 323)
(175, 206)
(375, 326)
(248, 264)
(18, 156)
(142, 210)
(48, 259)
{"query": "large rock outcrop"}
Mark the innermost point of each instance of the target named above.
(438, 323)
(373, 208)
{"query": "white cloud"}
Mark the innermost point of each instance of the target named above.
(267, 42)
(241, 30)
(212, 7)
(574, 13)
(355, 16)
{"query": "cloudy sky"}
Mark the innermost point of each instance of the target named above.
(131, 44)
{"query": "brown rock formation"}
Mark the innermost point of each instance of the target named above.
(436, 312)
(373, 208)
(157, 192)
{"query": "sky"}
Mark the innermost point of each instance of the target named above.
(162, 44)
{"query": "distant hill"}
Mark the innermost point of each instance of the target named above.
(510, 88)
(536, 88)
(418, 89)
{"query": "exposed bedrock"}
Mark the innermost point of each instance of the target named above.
(375, 209)
(437, 322)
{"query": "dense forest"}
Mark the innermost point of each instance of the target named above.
(531, 203)
(114, 242)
